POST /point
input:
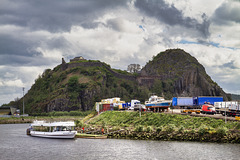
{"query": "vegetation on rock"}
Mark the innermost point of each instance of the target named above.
(76, 86)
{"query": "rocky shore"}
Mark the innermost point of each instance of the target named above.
(186, 135)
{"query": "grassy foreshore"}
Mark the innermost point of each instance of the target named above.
(50, 117)
(160, 126)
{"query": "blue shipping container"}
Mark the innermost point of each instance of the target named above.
(211, 100)
(174, 101)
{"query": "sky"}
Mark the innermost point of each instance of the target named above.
(35, 35)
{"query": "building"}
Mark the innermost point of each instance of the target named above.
(8, 110)
(77, 59)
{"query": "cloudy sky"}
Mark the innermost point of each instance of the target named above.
(35, 35)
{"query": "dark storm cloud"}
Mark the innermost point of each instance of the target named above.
(170, 15)
(227, 12)
(15, 46)
(18, 51)
(59, 43)
(53, 15)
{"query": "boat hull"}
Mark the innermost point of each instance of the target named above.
(164, 104)
(58, 134)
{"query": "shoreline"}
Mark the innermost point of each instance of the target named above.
(30, 119)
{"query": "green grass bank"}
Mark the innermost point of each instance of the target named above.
(161, 126)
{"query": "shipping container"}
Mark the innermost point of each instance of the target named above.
(224, 104)
(106, 107)
(174, 101)
(234, 107)
(194, 102)
(185, 101)
(210, 100)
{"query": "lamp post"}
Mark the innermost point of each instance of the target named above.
(23, 100)
(140, 110)
(225, 112)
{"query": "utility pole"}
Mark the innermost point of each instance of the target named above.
(140, 110)
(225, 112)
(23, 100)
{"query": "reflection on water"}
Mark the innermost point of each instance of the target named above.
(15, 144)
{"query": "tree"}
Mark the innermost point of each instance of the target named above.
(133, 68)
(73, 84)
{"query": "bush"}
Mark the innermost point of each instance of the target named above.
(221, 131)
(202, 130)
(139, 128)
(159, 129)
(149, 129)
(76, 113)
(170, 128)
(181, 129)
(61, 114)
(79, 123)
(116, 128)
(52, 113)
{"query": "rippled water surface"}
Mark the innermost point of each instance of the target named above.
(15, 144)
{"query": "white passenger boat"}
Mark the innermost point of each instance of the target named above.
(53, 130)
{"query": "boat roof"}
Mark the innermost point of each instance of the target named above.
(52, 124)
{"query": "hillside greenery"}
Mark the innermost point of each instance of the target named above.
(73, 83)
(77, 88)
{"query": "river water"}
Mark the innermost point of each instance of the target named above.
(16, 145)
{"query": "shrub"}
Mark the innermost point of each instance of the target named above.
(159, 129)
(149, 129)
(181, 129)
(139, 128)
(61, 113)
(103, 124)
(79, 123)
(170, 128)
(202, 130)
(116, 128)
(221, 131)
(52, 113)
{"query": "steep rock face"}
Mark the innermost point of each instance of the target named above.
(187, 76)
(83, 102)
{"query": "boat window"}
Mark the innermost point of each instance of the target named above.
(58, 128)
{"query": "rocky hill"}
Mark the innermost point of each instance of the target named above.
(77, 85)
(179, 74)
